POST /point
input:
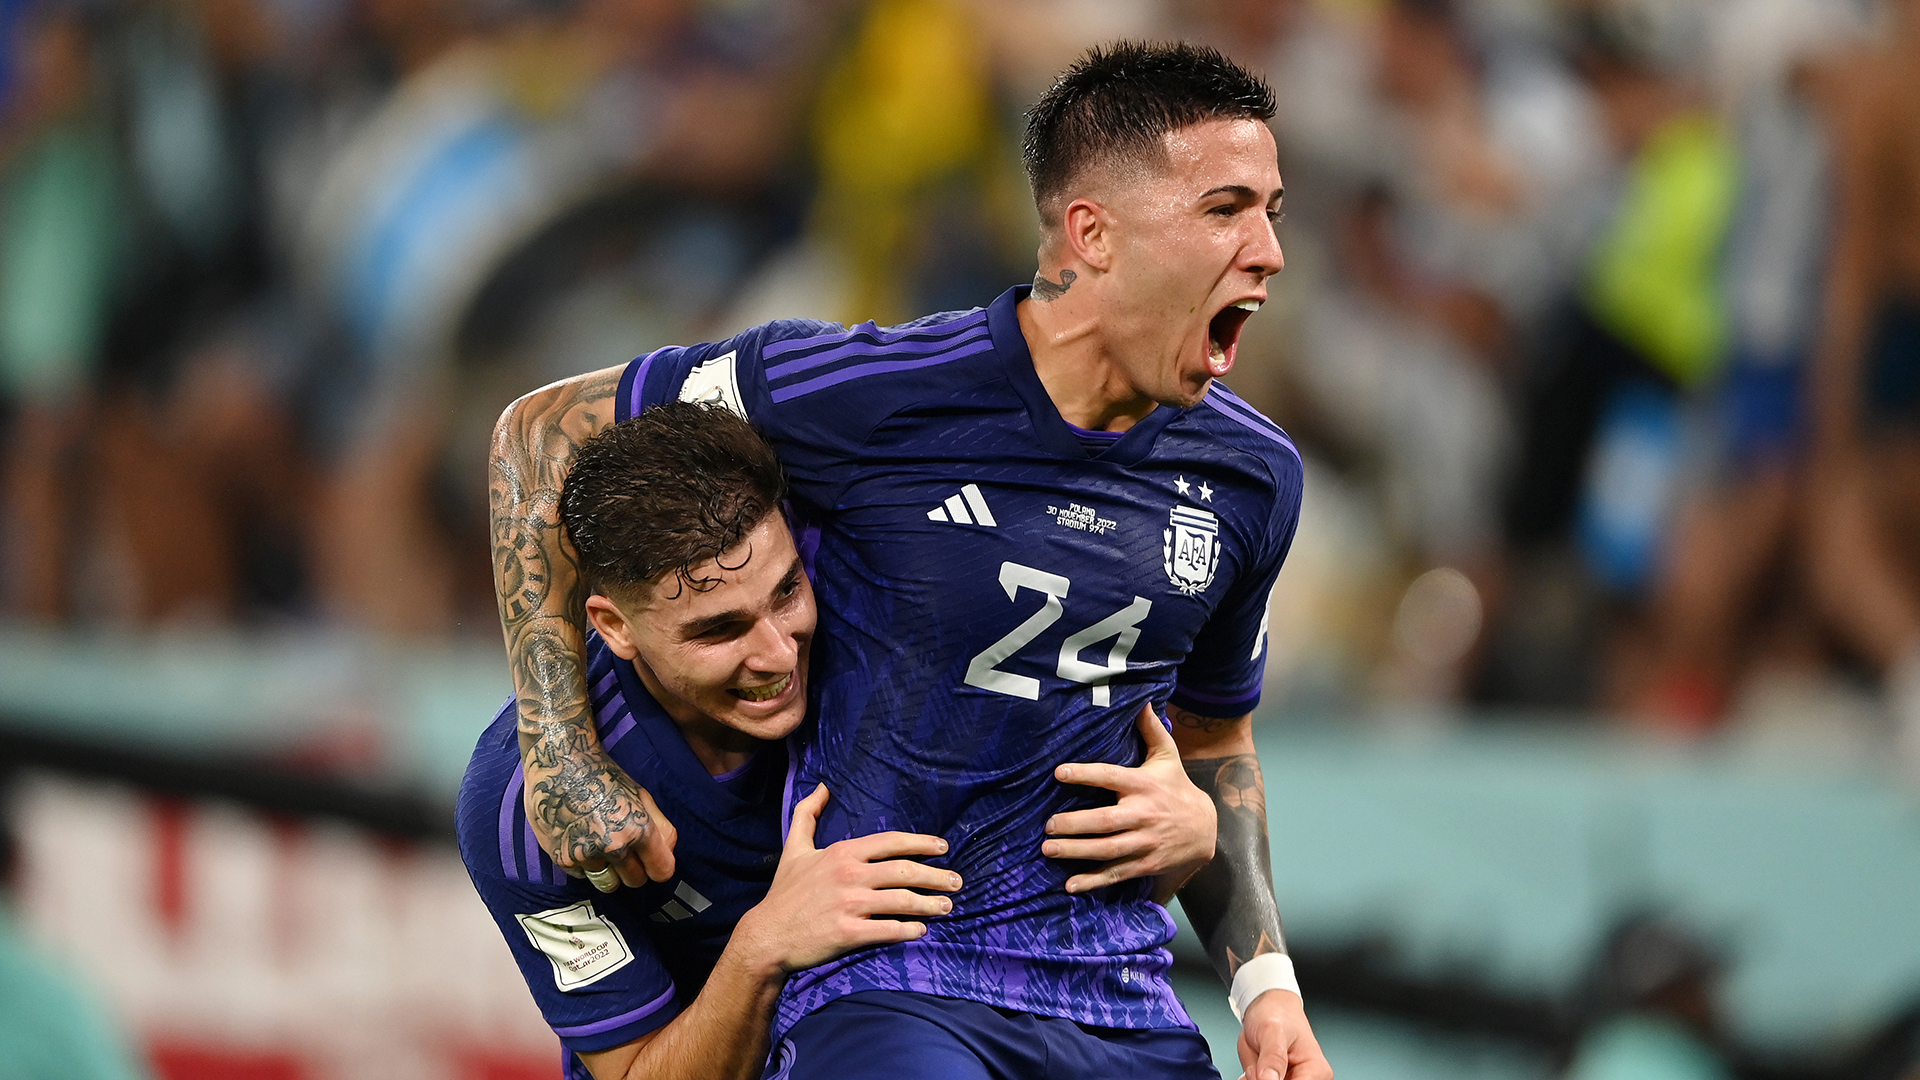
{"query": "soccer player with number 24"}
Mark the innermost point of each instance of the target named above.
(1033, 520)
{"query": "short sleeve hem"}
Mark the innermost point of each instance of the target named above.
(619, 1030)
(1216, 704)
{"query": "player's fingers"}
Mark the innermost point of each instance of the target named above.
(1316, 1068)
(881, 932)
(902, 902)
(1110, 874)
(1098, 849)
(656, 847)
(1101, 775)
(806, 815)
(892, 845)
(1272, 1061)
(901, 873)
(631, 868)
(1100, 819)
(597, 873)
(1159, 740)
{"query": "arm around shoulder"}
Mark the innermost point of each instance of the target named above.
(584, 809)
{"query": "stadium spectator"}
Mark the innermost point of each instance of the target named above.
(1731, 569)
(62, 233)
(1863, 535)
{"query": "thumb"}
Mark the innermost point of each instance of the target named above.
(806, 814)
(1159, 740)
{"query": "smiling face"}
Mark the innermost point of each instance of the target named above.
(728, 660)
(1193, 246)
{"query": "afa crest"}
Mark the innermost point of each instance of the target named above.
(1191, 548)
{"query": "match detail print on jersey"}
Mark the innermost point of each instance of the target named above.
(583, 945)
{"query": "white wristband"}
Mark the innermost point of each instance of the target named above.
(1268, 971)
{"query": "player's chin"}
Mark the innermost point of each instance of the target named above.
(1189, 390)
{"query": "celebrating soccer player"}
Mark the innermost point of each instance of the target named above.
(1034, 520)
(704, 619)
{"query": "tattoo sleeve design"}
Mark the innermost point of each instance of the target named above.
(580, 803)
(1047, 291)
(1231, 902)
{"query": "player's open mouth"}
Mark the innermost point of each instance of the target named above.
(762, 693)
(1223, 335)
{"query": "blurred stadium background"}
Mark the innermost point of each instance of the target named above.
(1593, 722)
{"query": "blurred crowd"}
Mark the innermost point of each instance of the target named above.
(1600, 329)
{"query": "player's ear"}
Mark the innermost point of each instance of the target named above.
(1086, 230)
(614, 627)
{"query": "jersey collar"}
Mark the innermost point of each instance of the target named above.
(714, 800)
(1053, 431)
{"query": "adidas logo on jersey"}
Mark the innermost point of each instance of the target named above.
(674, 910)
(967, 508)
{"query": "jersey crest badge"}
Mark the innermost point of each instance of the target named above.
(1191, 549)
(715, 382)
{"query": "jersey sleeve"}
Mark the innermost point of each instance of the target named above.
(1222, 676)
(765, 374)
(591, 967)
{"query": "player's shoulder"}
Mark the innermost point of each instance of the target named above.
(911, 359)
(1226, 418)
(793, 360)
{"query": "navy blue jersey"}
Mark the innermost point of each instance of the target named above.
(999, 595)
(607, 968)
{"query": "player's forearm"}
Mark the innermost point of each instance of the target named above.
(541, 595)
(722, 1035)
(1230, 901)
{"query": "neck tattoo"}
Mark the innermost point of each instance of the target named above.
(1045, 290)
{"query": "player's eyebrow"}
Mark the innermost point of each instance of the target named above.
(699, 627)
(1241, 191)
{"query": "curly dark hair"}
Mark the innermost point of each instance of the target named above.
(666, 491)
(1118, 100)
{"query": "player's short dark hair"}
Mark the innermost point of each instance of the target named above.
(1118, 100)
(666, 491)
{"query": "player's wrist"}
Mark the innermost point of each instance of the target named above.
(1268, 971)
(754, 952)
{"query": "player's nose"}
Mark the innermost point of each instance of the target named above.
(772, 647)
(1262, 256)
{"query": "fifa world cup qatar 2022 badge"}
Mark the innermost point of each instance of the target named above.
(1191, 549)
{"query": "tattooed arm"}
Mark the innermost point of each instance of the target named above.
(1230, 902)
(585, 810)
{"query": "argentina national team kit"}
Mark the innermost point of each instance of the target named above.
(609, 968)
(999, 592)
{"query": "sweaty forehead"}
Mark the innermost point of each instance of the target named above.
(740, 578)
(1223, 152)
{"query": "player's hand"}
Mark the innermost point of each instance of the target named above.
(1277, 1043)
(1162, 826)
(823, 900)
(590, 816)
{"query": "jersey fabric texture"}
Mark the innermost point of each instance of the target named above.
(607, 968)
(998, 597)
(868, 1036)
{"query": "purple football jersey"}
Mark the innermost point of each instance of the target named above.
(998, 595)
